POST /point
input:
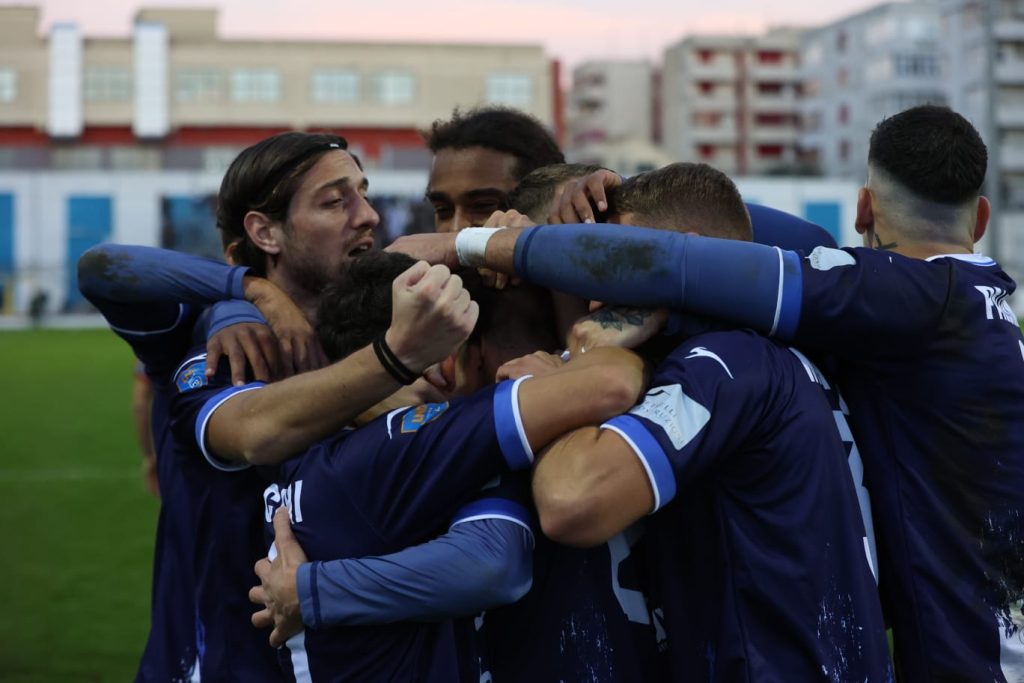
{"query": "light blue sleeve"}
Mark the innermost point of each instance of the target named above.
(477, 565)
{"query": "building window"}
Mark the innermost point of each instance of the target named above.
(813, 54)
(255, 85)
(771, 119)
(769, 151)
(842, 76)
(197, 86)
(107, 84)
(393, 87)
(334, 86)
(844, 150)
(843, 115)
(515, 90)
(705, 87)
(769, 88)
(915, 66)
(769, 57)
(705, 56)
(841, 41)
(8, 84)
(706, 152)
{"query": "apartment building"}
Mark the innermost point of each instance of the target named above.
(126, 138)
(174, 95)
(732, 101)
(861, 68)
(984, 41)
(613, 113)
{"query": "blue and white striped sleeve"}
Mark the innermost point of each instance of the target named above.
(652, 456)
(508, 425)
(203, 419)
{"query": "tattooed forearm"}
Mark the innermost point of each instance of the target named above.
(617, 318)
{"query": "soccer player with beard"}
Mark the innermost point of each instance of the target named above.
(292, 192)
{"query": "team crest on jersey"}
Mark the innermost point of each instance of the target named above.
(191, 375)
(421, 415)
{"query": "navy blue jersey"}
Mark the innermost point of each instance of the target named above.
(760, 550)
(931, 361)
(390, 484)
(158, 335)
(786, 231)
(227, 533)
(586, 617)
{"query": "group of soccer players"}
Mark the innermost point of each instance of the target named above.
(603, 429)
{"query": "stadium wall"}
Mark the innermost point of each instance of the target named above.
(51, 217)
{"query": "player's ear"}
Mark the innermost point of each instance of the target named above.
(865, 223)
(260, 229)
(984, 213)
(447, 368)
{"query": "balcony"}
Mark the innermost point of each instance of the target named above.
(1011, 158)
(718, 135)
(774, 135)
(785, 102)
(1009, 28)
(1010, 73)
(788, 72)
(1010, 114)
(718, 102)
(715, 70)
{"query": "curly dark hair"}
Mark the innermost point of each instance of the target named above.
(499, 128)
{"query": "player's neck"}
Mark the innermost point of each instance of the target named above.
(306, 301)
(890, 240)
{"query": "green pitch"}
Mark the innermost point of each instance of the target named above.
(78, 523)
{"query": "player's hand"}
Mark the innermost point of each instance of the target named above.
(615, 326)
(579, 197)
(536, 364)
(432, 315)
(434, 248)
(278, 591)
(247, 345)
(300, 348)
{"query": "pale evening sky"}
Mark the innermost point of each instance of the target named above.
(571, 30)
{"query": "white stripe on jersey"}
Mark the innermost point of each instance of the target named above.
(854, 461)
(778, 301)
(300, 661)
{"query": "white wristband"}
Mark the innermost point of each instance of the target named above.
(470, 245)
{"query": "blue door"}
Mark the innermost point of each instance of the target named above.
(89, 223)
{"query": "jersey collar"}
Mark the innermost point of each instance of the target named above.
(976, 259)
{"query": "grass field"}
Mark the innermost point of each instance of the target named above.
(77, 521)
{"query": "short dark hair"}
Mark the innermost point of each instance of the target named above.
(685, 196)
(356, 307)
(499, 128)
(932, 151)
(536, 189)
(264, 177)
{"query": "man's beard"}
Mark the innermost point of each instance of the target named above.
(309, 270)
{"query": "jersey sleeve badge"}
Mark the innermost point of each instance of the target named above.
(421, 415)
(191, 375)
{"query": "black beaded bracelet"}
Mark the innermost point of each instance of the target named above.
(391, 363)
